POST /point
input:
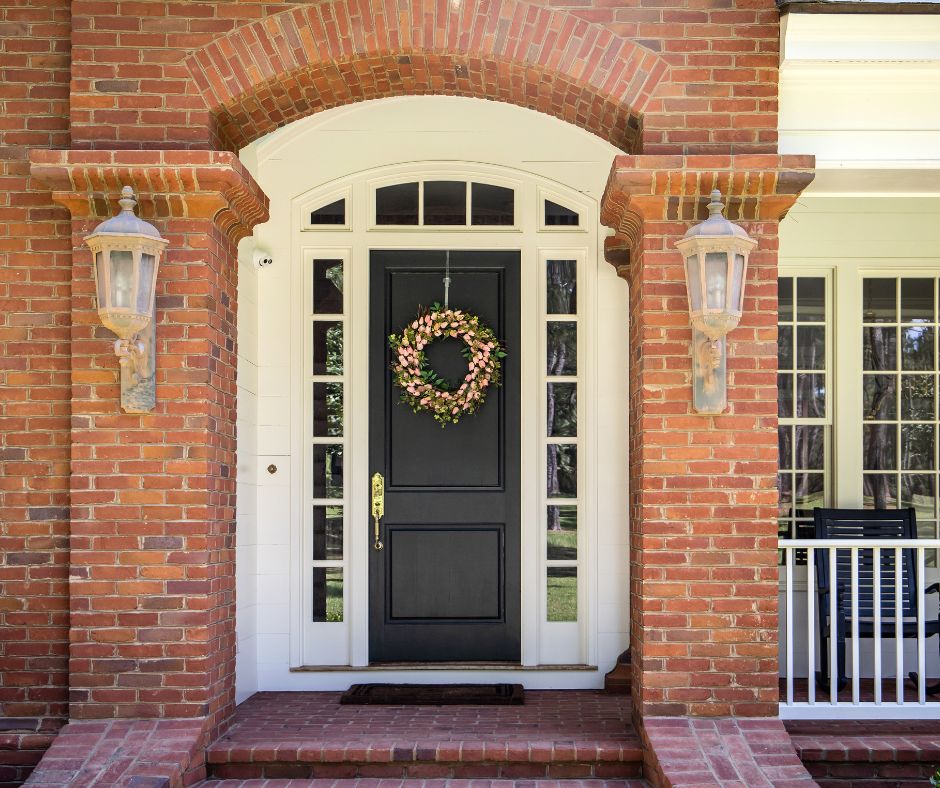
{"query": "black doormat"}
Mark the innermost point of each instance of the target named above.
(434, 695)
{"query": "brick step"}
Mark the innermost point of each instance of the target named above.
(552, 736)
(460, 760)
(387, 783)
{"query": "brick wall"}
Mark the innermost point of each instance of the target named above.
(153, 512)
(703, 496)
(34, 386)
(151, 585)
(702, 74)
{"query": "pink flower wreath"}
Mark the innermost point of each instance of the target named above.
(422, 388)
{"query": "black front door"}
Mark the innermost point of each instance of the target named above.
(446, 585)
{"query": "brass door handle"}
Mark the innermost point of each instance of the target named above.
(378, 507)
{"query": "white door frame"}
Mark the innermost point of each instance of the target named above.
(555, 654)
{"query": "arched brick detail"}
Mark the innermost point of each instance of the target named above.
(268, 73)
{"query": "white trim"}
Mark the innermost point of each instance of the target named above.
(323, 150)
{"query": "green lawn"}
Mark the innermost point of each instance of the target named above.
(562, 594)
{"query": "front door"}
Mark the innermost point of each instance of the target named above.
(446, 585)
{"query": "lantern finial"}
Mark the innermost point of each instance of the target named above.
(128, 201)
(716, 207)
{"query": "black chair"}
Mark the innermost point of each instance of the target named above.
(867, 524)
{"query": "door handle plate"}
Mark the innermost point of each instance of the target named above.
(378, 507)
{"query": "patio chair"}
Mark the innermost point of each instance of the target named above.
(867, 524)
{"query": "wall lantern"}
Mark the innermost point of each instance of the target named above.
(715, 253)
(127, 254)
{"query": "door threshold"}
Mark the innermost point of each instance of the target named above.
(425, 666)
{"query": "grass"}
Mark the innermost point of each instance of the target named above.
(562, 593)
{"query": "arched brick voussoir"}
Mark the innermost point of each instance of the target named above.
(270, 72)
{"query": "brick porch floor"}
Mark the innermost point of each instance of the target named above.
(554, 736)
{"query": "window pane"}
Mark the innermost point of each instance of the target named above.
(807, 493)
(917, 397)
(880, 491)
(785, 396)
(397, 204)
(327, 533)
(785, 489)
(917, 447)
(880, 350)
(879, 397)
(879, 301)
(810, 299)
(785, 299)
(334, 213)
(562, 409)
(562, 527)
(562, 471)
(785, 347)
(327, 347)
(328, 287)
(445, 202)
(879, 447)
(562, 287)
(562, 593)
(327, 471)
(327, 594)
(917, 300)
(917, 347)
(558, 216)
(492, 205)
(561, 348)
(811, 347)
(785, 445)
(810, 447)
(327, 409)
(810, 396)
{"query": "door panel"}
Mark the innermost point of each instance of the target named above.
(447, 585)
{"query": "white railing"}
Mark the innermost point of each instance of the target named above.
(876, 667)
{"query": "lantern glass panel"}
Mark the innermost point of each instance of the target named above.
(693, 276)
(716, 279)
(737, 283)
(99, 275)
(145, 288)
(122, 279)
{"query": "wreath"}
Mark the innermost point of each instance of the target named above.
(421, 387)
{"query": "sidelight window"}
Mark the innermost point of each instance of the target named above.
(327, 436)
(561, 437)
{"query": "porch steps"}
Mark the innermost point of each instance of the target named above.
(564, 737)
(388, 783)
(868, 753)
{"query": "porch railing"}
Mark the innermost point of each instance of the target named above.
(876, 667)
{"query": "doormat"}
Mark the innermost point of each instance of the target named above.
(434, 695)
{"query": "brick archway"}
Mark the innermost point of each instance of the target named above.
(268, 73)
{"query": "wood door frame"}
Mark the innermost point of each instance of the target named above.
(533, 245)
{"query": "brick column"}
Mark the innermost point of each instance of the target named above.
(152, 583)
(702, 488)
